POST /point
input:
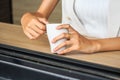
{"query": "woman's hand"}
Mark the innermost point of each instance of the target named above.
(33, 25)
(75, 41)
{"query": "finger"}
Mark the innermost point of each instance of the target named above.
(61, 36)
(66, 51)
(43, 20)
(39, 24)
(29, 35)
(66, 26)
(66, 43)
(36, 29)
(32, 32)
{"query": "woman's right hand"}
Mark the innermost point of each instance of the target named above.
(34, 25)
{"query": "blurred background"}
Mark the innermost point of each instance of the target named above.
(16, 8)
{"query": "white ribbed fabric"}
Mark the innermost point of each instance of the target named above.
(93, 14)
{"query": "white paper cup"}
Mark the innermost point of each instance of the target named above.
(52, 32)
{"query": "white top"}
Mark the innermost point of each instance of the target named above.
(94, 18)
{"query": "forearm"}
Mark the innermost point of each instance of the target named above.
(109, 44)
(47, 6)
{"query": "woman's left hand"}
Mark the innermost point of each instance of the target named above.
(75, 41)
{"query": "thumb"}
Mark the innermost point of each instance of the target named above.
(43, 20)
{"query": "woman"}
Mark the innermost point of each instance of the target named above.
(93, 18)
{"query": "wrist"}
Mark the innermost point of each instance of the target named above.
(38, 14)
(96, 46)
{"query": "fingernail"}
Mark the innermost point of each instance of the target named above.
(60, 52)
(58, 27)
(54, 50)
(52, 41)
